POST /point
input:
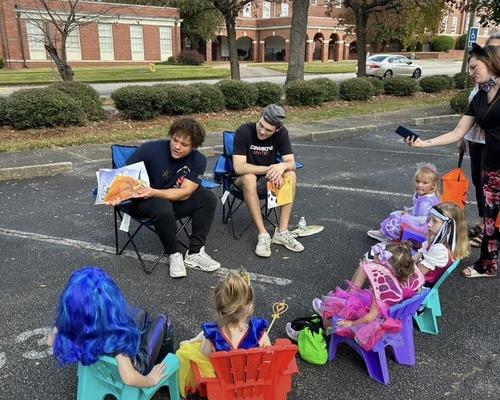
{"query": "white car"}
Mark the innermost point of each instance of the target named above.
(387, 65)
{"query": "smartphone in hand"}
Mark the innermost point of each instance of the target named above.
(406, 133)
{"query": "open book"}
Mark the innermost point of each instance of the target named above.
(278, 197)
(121, 182)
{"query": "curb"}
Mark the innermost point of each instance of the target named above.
(439, 119)
(35, 171)
(341, 132)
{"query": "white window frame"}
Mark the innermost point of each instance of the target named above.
(247, 10)
(284, 10)
(314, 2)
(338, 3)
(165, 42)
(454, 25)
(137, 42)
(73, 45)
(266, 9)
(36, 39)
(326, 3)
(106, 46)
(444, 25)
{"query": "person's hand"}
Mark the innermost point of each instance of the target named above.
(157, 374)
(143, 192)
(275, 174)
(114, 201)
(411, 141)
(344, 323)
(461, 146)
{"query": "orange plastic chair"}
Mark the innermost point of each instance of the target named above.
(263, 373)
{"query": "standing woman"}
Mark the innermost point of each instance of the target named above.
(484, 109)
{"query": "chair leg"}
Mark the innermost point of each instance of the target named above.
(427, 321)
(405, 354)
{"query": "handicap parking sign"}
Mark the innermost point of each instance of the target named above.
(473, 33)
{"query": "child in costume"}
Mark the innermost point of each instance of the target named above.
(234, 329)
(427, 194)
(93, 319)
(363, 314)
(447, 241)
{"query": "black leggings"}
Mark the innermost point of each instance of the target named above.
(476, 152)
(200, 206)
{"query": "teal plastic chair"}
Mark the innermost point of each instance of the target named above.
(98, 380)
(427, 320)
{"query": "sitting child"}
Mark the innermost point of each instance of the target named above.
(426, 184)
(447, 241)
(93, 319)
(363, 314)
(234, 329)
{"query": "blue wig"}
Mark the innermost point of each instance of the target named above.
(93, 319)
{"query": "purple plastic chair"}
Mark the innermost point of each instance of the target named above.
(403, 345)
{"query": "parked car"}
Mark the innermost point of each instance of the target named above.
(387, 65)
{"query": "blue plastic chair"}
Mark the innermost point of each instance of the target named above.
(232, 197)
(98, 380)
(427, 319)
(403, 345)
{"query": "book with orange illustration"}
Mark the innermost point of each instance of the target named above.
(279, 196)
(121, 182)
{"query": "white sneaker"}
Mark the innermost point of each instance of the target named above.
(201, 260)
(377, 235)
(288, 240)
(263, 248)
(318, 306)
(291, 333)
(177, 267)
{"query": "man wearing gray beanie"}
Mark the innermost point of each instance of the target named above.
(256, 147)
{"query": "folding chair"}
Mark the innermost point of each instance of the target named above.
(427, 319)
(119, 155)
(402, 344)
(232, 197)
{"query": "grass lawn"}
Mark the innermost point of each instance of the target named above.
(339, 67)
(113, 74)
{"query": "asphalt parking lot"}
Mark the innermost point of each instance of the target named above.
(50, 227)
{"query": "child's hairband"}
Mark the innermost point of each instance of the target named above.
(429, 165)
(383, 254)
(449, 234)
(243, 273)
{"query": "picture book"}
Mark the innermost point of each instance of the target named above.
(279, 196)
(121, 182)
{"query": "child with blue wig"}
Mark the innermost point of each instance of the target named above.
(94, 319)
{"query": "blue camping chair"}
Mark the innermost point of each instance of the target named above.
(427, 319)
(232, 197)
(119, 155)
(402, 344)
(101, 379)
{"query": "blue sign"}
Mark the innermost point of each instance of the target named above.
(473, 34)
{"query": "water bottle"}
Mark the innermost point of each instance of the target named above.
(302, 223)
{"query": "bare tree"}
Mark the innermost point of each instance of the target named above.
(298, 41)
(57, 20)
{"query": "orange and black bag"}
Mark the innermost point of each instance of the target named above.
(456, 185)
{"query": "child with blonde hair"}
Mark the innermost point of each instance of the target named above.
(427, 194)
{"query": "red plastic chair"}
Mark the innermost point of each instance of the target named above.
(263, 373)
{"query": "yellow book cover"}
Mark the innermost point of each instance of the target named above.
(279, 196)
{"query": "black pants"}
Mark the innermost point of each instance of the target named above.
(476, 152)
(200, 206)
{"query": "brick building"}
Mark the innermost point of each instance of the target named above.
(116, 34)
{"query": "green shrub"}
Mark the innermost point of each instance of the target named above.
(461, 42)
(40, 108)
(209, 98)
(177, 99)
(356, 89)
(2, 63)
(377, 84)
(189, 57)
(268, 93)
(436, 83)
(84, 94)
(137, 102)
(238, 95)
(330, 89)
(303, 93)
(462, 80)
(3, 111)
(460, 101)
(398, 86)
(442, 43)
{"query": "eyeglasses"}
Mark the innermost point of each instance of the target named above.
(260, 126)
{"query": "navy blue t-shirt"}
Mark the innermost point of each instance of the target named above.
(164, 171)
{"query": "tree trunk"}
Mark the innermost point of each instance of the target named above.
(233, 51)
(64, 69)
(297, 41)
(361, 22)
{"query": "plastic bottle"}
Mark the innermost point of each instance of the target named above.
(302, 223)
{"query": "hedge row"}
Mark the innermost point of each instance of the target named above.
(60, 104)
